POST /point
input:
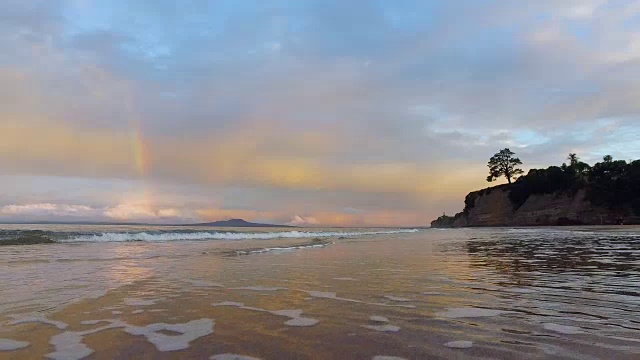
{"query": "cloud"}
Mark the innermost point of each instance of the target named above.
(47, 209)
(392, 109)
(48, 212)
(303, 221)
(141, 212)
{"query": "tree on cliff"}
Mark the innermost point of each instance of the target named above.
(576, 168)
(504, 164)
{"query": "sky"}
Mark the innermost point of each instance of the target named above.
(311, 113)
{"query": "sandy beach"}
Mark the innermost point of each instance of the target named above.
(428, 294)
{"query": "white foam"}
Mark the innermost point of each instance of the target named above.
(174, 236)
(460, 344)
(139, 302)
(11, 345)
(345, 279)
(203, 283)
(137, 311)
(469, 312)
(383, 328)
(68, 345)
(322, 294)
(229, 303)
(232, 357)
(93, 322)
(288, 313)
(333, 296)
(188, 332)
(378, 318)
(563, 329)
(116, 312)
(329, 295)
(39, 319)
(295, 316)
(260, 288)
(395, 298)
(301, 321)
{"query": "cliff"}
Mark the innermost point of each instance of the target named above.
(494, 207)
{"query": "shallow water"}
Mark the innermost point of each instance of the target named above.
(463, 293)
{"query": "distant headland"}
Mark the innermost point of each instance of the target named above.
(237, 223)
(607, 193)
(223, 223)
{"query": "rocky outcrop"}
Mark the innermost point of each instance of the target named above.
(493, 207)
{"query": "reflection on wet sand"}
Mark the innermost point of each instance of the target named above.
(464, 294)
(579, 252)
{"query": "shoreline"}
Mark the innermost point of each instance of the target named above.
(429, 294)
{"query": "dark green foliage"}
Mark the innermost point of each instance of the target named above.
(615, 184)
(545, 181)
(611, 183)
(608, 184)
(577, 170)
(504, 164)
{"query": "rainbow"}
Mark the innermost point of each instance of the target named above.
(140, 149)
(140, 152)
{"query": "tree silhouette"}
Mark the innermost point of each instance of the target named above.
(504, 164)
(573, 159)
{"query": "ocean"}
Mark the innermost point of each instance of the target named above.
(71, 291)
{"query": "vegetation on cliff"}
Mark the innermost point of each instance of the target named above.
(503, 163)
(609, 184)
(614, 184)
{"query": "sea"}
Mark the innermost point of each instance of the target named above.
(147, 292)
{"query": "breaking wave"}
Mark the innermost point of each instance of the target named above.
(195, 236)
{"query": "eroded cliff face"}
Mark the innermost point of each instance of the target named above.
(492, 207)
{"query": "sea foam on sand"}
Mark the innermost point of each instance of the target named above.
(39, 319)
(260, 288)
(69, 346)
(295, 316)
(460, 344)
(10, 345)
(333, 296)
(232, 357)
(140, 302)
(383, 328)
(395, 298)
(378, 318)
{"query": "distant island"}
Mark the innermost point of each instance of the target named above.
(236, 223)
(223, 223)
(607, 193)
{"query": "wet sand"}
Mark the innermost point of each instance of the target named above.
(455, 294)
